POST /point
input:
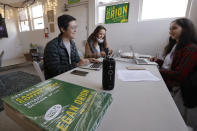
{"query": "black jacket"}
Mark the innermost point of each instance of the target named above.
(56, 58)
(189, 90)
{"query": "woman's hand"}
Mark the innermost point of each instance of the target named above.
(83, 62)
(110, 51)
(153, 59)
(95, 55)
(93, 60)
(103, 54)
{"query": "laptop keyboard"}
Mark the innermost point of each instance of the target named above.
(141, 61)
(96, 65)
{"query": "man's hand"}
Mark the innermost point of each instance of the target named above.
(83, 62)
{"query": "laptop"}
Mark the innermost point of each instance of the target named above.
(141, 61)
(93, 66)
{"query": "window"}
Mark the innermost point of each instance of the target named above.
(101, 14)
(23, 20)
(37, 20)
(31, 18)
(107, 1)
(101, 4)
(157, 9)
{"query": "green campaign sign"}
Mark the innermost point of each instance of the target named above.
(117, 13)
(55, 105)
(70, 2)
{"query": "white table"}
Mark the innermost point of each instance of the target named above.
(136, 106)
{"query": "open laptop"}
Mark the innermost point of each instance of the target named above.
(141, 61)
(93, 66)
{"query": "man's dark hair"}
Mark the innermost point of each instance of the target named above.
(63, 22)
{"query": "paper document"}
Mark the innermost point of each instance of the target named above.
(136, 75)
(122, 59)
(144, 56)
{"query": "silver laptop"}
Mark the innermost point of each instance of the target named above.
(138, 61)
(93, 66)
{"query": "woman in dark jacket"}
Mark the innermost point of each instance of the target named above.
(179, 64)
(180, 54)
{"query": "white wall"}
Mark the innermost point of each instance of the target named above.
(193, 12)
(11, 45)
(148, 37)
(37, 37)
(34, 37)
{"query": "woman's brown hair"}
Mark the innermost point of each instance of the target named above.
(188, 35)
(93, 36)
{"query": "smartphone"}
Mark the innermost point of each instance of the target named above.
(80, 73)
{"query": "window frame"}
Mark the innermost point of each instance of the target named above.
(19, 21)
(107, 4)
(187, 13)
(32, 18)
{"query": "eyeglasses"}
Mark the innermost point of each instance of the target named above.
(73, 27)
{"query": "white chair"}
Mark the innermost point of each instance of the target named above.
(1, 57)
(38, 68)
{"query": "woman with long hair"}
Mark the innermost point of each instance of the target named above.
(96, 45)
(180, 53)
(179, 65)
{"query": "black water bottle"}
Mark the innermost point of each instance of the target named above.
(108, 80)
